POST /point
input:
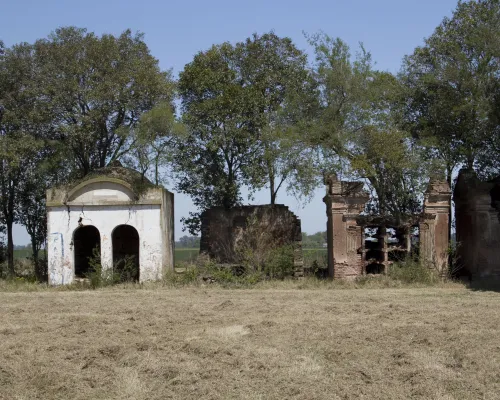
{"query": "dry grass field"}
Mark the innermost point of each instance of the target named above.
(270, 343)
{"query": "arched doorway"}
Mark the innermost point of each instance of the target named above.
(87, 244)
(126, 252)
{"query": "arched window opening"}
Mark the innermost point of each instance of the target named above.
(87, 245)
(125, 240)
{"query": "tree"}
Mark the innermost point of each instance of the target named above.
(453, 87)
(37, 176)
(282, 91)
(18, 117)
(188, 242)
(218, 154)
(242, 106)
(96, 89)
(356, 126)
(154, 138)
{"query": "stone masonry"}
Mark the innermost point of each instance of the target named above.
(477, 214)
(352, 253)
(224, 232)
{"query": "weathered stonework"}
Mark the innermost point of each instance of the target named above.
(352, 254)
(108, 207)
(223, 232)
(434, 226)
(477, 214)
(344, 202)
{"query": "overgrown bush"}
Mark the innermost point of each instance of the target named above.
(97, 275)
(185, 274)
(126, 269)
(412, 271)
(279, 263)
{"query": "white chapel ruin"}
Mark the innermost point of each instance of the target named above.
(118, 214)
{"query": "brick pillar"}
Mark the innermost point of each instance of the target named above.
(434, 241)
(344, 201)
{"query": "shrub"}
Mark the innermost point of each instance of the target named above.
(279, 263)
(97, 275)
(412, 271)
(126, 269)
(189, 274)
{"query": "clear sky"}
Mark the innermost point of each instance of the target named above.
(175, 31)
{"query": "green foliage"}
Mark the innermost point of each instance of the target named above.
(412, 271)
(453, 88)
(21, 128)
(279, 263)
(283, 92)
(314, 241)
(356, 126)
(212, 162)
(97, 275)
(153, 140)
(192, 242)
(189, 275)
(242, 106)
(95, 90)
(126, 269)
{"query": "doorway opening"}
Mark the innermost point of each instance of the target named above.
(87, 245)
(125, 240)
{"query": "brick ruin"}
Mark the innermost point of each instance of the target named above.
(224, 232)
(477, 214)
(359, 245)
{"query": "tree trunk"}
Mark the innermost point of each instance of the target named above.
(273, 193)
(10, 248)
(38, 273)
(271, 183)
(156, 173)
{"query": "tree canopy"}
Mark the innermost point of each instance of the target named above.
(452, 87)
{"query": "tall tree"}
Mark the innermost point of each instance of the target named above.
(96, 89)
(282, 91)
(356, 126)
(453, 84)
(18, 117)
(217, 155)
(242, 106)
(154, 138)
(31, 208)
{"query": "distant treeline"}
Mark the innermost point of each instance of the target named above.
(313, 241)
(188, 242)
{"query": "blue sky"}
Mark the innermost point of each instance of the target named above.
(175, 31)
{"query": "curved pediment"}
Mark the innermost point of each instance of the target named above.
(101, 191)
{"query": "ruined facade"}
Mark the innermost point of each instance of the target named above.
(224, 233)
(477, 215)
(114, 214)
(360, 245)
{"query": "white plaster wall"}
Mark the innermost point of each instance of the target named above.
(98, 192)
(63, 221)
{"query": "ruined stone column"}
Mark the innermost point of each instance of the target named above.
(344, 202)
(434, 228)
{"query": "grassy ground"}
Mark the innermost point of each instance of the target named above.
(269, 343)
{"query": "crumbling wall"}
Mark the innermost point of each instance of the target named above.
(344, 202)
(351, 255)
(225, 232)
(477, 214)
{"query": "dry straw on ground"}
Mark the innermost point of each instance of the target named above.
(272, 343)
